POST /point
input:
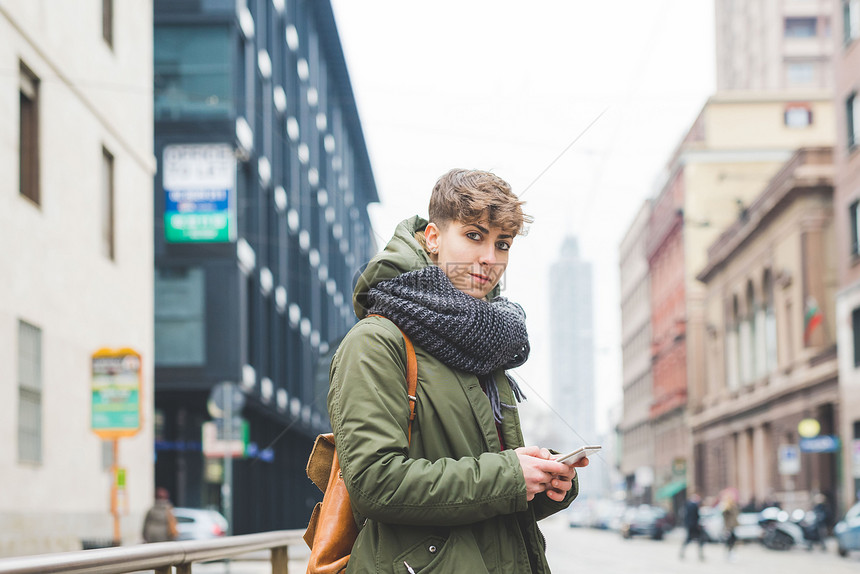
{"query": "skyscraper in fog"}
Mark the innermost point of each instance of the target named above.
(571, 329)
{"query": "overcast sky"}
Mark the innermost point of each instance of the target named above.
(508, 86)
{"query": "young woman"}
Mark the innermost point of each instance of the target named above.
(463, 494)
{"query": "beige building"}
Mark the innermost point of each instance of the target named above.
(76, 226)
(635, 428)
(737, 144)
(768, 364)
(847, 222)
(774, 45)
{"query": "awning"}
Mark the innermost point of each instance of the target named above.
(671, 489)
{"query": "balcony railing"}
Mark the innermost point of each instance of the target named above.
(160, 556)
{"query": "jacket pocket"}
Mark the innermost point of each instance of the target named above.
(458, 553)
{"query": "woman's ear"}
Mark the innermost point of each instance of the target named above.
(431, 238)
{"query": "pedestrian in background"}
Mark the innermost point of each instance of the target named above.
(160, 523)
(822, 519)
(730, 521)
(457, 490)
(691, 523)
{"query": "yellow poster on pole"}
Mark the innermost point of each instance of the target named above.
(116, 393)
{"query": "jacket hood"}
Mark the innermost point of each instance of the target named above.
(402, 254)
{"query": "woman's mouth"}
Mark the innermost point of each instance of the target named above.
(480, 279)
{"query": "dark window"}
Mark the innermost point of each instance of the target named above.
(107, 204)
(855, 228)
(193, 76)
(107, 21)
(254, 324)
(29, 135)
(771, 356)
(856, 426)
(800, 27)
(855, 328)
(852, 119)
(180, 320)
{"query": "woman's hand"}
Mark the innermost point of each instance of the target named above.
(564, 481)
(543, 474)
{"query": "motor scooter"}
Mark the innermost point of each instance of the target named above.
(778, 531)
(811, 526)
(782, 531)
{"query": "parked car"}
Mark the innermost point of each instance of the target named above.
(711, 520)
(199, 523)
(579, 516)
(847, 531)
(645, 520)
(748, 528)
(607, 514)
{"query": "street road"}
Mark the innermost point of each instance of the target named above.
(589, 551)
(585, 550)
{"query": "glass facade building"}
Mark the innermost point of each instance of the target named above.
(261, 223)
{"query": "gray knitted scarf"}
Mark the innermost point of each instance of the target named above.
(462, 331)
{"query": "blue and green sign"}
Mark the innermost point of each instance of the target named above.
(199, 183)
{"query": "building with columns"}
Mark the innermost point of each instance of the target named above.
(770, 355)
(736, 145)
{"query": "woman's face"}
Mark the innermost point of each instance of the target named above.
(473, 255)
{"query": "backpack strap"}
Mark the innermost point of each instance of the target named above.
(412, 380)
(411, 375)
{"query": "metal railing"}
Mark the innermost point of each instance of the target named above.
(159, 556)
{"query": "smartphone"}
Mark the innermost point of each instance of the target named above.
(581, 452)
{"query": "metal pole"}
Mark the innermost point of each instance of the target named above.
(114, 495)
(227, 488)
(838, 504)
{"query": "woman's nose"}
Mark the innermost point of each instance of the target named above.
(487, 255)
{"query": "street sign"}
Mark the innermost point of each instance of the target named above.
(789, 459)
(200, 193)
(116, 390)
(215, 443)
(820, 443)
(225, 398)
(253, 451)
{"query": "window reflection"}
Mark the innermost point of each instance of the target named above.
(192, 70)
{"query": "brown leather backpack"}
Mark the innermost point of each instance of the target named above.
(332, 530)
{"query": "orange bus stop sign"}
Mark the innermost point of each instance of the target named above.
(116, 393)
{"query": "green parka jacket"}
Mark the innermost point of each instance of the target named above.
(451, 501)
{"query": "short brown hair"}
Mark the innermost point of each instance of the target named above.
(469, 195)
